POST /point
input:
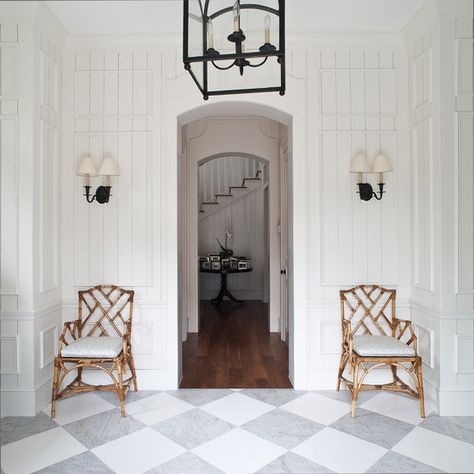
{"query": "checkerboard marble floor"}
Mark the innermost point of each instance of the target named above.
(237, 431)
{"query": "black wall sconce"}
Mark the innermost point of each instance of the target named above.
(360, 164)
(87, 169)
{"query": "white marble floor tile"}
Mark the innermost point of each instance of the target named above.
(437, 450)
(39, 451)
(339, 451)
(404, 408)
(156, 408)
(238, 452)
(315, 407)
(78, 407)
(237, 408)
(138, 452)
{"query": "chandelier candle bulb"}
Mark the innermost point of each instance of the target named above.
(267, 24)
(236, 10)
(210, 34)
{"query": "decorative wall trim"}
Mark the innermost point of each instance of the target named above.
(48, 351)
(443, 313)
(322, 338)
(15, 354)
(426, 355)
(30, 315)
(460, 341)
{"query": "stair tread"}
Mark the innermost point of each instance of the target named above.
(210, 202)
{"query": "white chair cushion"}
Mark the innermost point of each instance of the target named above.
(104, 347)
(380, 346)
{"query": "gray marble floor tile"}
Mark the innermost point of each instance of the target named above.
(102, 428)
(345, 396)
(132, 396)
(193, 428)
(273, 396)
(82, 463)
(397, 463)
(198, 397)
(459, 427)
(187, 463)
(292, 463)
(14, 428)
(378, 429)
(283, 428)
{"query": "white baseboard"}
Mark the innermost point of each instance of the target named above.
(24, 402)
(456, 403)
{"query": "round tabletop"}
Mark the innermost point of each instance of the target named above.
(225, 270)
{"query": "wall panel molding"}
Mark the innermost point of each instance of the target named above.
(10, 348)
(48, 341)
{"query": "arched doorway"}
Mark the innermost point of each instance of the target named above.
(240, 135)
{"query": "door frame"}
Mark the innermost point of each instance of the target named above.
(291, 112)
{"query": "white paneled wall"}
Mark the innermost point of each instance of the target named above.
(30, 227)
(357, 115)
(113, 115)
(245, 216)
(439, 41)
(112, 99)
(9, 73)
(359, 106)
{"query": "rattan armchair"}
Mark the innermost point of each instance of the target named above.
(372, 337)
(100, 338)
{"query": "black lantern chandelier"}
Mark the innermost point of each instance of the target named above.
(220, 52)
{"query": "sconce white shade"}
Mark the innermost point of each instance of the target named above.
(360, 164)
(86, 167)
(381, 164)
(108, 167)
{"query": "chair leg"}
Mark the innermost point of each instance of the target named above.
(55, 390)
(421, 394)
(131, 363)
(355, 389)
(120, 389)
(342, 366)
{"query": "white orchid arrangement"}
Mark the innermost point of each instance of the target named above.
(228, 238)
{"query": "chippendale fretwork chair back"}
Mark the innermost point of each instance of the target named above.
(100, 338)
(373, 337)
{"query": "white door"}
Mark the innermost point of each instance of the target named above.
(283, 228)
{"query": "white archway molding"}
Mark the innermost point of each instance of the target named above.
(292, 112)
(232, 154)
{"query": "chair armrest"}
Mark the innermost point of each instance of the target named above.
(70, 330)
(347, 334)
(404, 327)
(127, 337)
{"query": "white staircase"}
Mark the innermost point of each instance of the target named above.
(222, 200)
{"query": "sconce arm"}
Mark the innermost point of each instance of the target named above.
(380, 193)
(89, 198)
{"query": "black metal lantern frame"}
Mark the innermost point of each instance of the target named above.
(241, 59)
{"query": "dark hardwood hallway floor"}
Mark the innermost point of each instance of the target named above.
(234, 349)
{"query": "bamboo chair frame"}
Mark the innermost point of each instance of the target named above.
(363, 311)
(102, 309)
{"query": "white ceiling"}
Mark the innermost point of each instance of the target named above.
(164, 16)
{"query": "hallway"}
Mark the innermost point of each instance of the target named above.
(234, 349)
